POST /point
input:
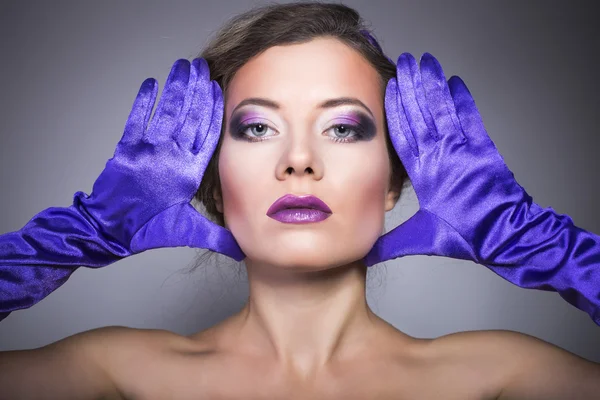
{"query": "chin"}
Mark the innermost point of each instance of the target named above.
(304, 249)
(304, 259)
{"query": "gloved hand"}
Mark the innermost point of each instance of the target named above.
(140, 201)
(471, 206)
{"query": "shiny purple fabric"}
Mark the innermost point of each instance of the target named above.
(139, 202)
(471, 206)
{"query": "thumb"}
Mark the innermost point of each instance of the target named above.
(423, 233)
(182, 225)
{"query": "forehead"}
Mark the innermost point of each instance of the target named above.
(305, 74)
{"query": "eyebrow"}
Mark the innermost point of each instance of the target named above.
(330, 103)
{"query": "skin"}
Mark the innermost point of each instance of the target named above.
(307, 305)
(306, 331)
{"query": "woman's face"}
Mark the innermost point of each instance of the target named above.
(295, 149)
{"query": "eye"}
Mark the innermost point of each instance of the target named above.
(258, 131)
(344, 133)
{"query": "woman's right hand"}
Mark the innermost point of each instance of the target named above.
(140, 201)
(142, 198)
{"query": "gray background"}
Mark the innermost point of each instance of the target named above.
(69, 72)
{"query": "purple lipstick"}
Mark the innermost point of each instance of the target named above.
(293, 209)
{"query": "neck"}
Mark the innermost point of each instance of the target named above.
(305, 319)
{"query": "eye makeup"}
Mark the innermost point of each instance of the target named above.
(241, 121)
(362, 126)
(360, 123)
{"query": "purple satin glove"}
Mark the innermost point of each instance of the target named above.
(471, 206)
(140, 201)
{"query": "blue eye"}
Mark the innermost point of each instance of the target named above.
(260, 129)
(357, 126)
(241, 131)
(346, 138)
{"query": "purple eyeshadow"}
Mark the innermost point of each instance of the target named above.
(361, 122)
(358, 121)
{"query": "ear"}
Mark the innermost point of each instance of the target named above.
(391, 198)
(218, 199)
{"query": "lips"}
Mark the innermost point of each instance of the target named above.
(290, 201)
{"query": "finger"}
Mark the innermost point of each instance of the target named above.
(468, 115)
(170, 104)
(209, 130)
(414, 102)
(440, 101)
(140, 112)
(208, 137)
(398, 126)
(193, 107)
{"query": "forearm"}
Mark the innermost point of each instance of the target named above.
(550, 253)
(40, 257)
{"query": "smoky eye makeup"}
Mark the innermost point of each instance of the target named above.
(362, 126)
(241, 121)
(357, 121)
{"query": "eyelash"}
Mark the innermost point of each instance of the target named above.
(356, 137)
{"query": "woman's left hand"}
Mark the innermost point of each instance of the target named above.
(471, 206)
(469, 199)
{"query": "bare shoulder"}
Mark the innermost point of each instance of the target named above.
(114, 343)
(518, 365)
(119, 333)
(98, 363)
(125, 353)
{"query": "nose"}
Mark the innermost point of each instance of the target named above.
(300, 159)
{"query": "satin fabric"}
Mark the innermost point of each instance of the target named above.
(140, 201)
(471, 206)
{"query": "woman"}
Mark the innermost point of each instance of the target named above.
(291, 125)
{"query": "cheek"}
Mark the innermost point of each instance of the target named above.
(363, 184)
(240, 172)
(354, 184)
(233, 180)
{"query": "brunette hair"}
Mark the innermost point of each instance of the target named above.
(248, 34)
